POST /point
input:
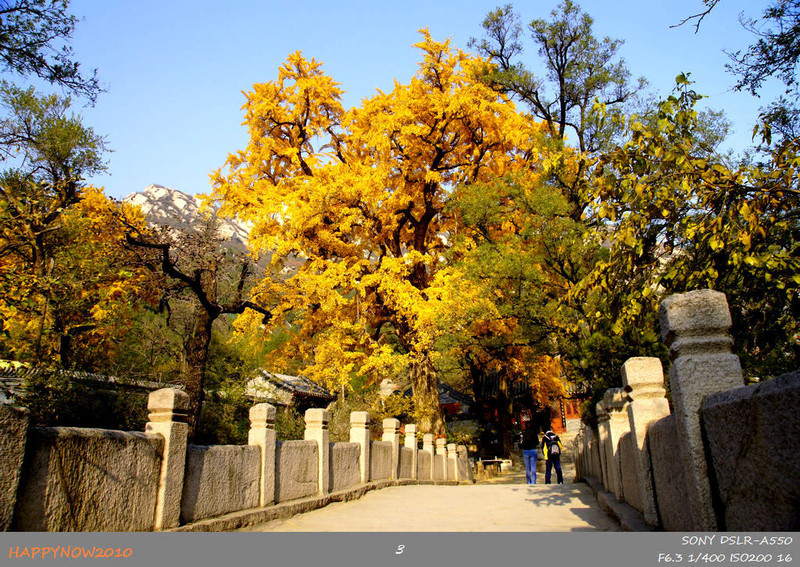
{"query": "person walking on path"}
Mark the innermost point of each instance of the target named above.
(551, 449)
(528, 443)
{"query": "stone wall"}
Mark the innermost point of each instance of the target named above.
(14, 428)
(381, 464)
(464, 470)
(219, 479)
(439, 466)
(753, 438)
(670, 484)
(88, 480)
(630, 471)
(424, 465)
(406, 463)
(344, 465)
(297, 463)
(68, 479)
(725, 458)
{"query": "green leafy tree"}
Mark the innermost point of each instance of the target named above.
(521, 253)
(34, 41)
(773, 55)
(583, 93)
(62, 266)
(775, 52)
(580, 71)
(49, 151)
(151, 351)
(58, 398)
(679, 219)
(289, 424)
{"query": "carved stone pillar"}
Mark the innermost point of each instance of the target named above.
(359, 433)
(169, 414)
(410, 441)
(578, 449)
(695, 327)
(317, 430)
(427, 446)
(643, 379)
(603, 441)
(391, 433)
(452, 462)
(615, 402)
(262, 434)
(441, 459)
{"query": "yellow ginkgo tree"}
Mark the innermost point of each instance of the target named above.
(352, 206)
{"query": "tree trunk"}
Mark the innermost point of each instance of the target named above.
(425, 387)
(196, 358)
(505, 414)
(59, 330)
(482, 402)
(65, 350)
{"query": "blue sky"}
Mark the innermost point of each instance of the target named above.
(175, 71)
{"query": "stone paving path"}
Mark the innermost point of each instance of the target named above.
(501, 504)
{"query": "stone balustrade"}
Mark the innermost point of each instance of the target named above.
(725, 458)
(126, 481)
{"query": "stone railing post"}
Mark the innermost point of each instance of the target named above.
(317, 430)
(595, 463)
(391, 433)
(695, 326)
(462, 454)
(359, 433)
(586, 447)
(452, 462)
(578, 449)
(603, 441)
(427, 446)
(615, 402)
(643, 380)
(410, 441)
(169, 413)
(441, 457)
(14, 423)
(262, 434)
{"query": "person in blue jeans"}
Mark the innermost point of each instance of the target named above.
(528, 443)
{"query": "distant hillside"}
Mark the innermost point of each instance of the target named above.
(170, 207)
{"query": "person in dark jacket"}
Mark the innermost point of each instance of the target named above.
(551, 449)
(528, 443)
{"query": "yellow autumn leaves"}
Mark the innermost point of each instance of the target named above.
(359, 198)
(87, 289)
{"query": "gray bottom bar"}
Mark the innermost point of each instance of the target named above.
(377, 549)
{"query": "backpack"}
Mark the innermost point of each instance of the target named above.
(552, 446)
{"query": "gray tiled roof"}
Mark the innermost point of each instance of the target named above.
(297, 385)
(447, 395)
(12, 379)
